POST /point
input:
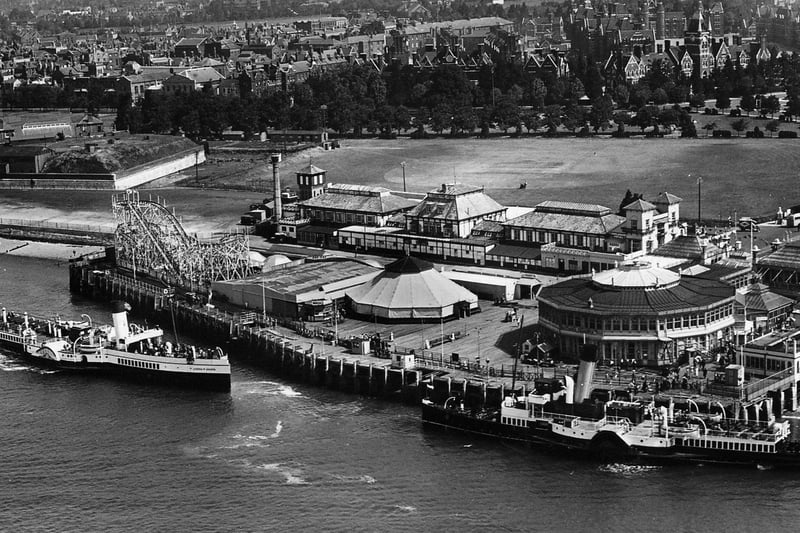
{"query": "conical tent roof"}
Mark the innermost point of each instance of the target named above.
(410, 288)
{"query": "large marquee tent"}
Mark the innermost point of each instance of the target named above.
(411, 288)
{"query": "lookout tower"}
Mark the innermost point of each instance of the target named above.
(311, 182)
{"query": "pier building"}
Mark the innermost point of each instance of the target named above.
(638, 312)
(298, 289)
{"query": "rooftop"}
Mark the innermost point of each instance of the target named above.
(653, 296)
(571, 217)
(456, 202)
(359, 198)
(637, 275)
(311, 275)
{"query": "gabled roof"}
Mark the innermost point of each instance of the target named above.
(456, 202)
(639, 205)
(667, 198)
(202, 74)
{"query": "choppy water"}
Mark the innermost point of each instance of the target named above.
(83, 453)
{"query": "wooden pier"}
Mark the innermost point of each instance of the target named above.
(292, 359)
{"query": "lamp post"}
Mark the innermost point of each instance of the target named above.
(699, 199)
(403, 164)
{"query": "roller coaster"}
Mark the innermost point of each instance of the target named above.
(149, 239)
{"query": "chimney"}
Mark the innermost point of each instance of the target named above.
(276, 182)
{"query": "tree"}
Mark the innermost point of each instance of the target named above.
(574, 118)
(601, 112)
(124, 109)
(739, 126)
(464, 120)
(772, 126)
(640, 96)
(793, 101)
(723, 101)
(534, 92)
(770, 105)
(628, 199)
(644, 117)
(531, 120)
(621, 95)
(748, 103)
(506, 114)
(441, 117)
(709, 127)
(697, 101)
(403, 118)
(552, 117)
(689, 130)
(660, 96)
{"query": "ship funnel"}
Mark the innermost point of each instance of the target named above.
(570, 383)
(585, 372)
(120, 318)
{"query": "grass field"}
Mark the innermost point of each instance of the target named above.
(751, 176)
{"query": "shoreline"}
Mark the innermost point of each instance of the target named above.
(43, 250)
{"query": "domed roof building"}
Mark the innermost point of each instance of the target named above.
(411, 288)
(638, 311)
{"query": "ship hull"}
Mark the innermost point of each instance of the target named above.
(170, 372)
(608, 449)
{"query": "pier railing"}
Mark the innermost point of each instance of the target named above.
(433, 361)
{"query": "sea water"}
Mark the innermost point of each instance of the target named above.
(88, 453)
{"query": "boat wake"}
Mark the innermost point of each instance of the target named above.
(365, 479)
(406, 508)
(627, 469)
(267, 388)
(8, 364)
(289, 473)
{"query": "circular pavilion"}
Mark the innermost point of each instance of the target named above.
(411, 288)
(638, 311)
